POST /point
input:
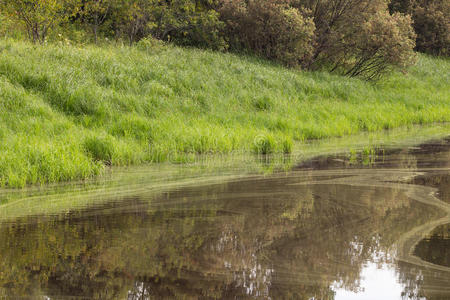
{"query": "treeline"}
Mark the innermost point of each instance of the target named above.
(431, 23)
(353, 37)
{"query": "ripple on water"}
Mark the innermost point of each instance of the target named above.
(316, 232)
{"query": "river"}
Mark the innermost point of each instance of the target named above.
(370, 224)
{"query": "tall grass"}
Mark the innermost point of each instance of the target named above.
(66, 112)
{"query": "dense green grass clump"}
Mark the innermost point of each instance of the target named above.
(66, 111)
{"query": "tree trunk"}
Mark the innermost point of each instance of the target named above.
(95, 33)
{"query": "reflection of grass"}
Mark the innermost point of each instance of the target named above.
(204, 169)
(67, 111)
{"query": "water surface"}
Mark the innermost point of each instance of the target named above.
(370, 224)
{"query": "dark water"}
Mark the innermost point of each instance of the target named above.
(435, 248)
(365, 225)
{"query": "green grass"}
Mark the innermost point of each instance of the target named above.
(124, 182)
(66, 111)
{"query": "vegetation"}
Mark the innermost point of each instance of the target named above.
(68, 108)
(352, 37)
(37, 16)
(431, 23)
(67, 111)
(356, 38)
(272, 29)
(363, 148)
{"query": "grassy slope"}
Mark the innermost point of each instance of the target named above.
(63, 109)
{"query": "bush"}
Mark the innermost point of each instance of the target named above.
(38, 16)
(384, 40)
(431, 23)
(187, 22)
(150, 44)
(353, 36)
(271, 29)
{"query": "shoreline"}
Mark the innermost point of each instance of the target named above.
(122, 181)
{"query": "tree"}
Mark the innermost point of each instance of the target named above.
(95, 13)
(188, 22)
(39, 16)
(354, 37)
(384, 40)
(185, 22)
(135, 18)
(431, 23)
(271, 29)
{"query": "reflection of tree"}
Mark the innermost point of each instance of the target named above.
(226, 243)
(435, 247)
(441, 181)
(421, 282)
(431, 154)
(261, 237)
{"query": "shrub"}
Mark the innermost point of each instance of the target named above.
(187, 22)
(271, 29)
(132, 18)
(150, 44)
(384, 40)
(354, 36)
(95, 13)
(38, 16)
(431, 23)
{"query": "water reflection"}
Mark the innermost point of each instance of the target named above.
(435, 248)
(377, 282)
(334, 228)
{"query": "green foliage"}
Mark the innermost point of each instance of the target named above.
(39, 16)
(384, 41)
(431, 23)
(187, 22)
(150, 44)
(271, 29)
(354, 37)
(133, 18)
(91, 106)
(98, 15)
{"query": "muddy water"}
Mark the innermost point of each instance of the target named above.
(364, 225)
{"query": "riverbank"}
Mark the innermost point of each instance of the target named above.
(119, 183)
(67, 112)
